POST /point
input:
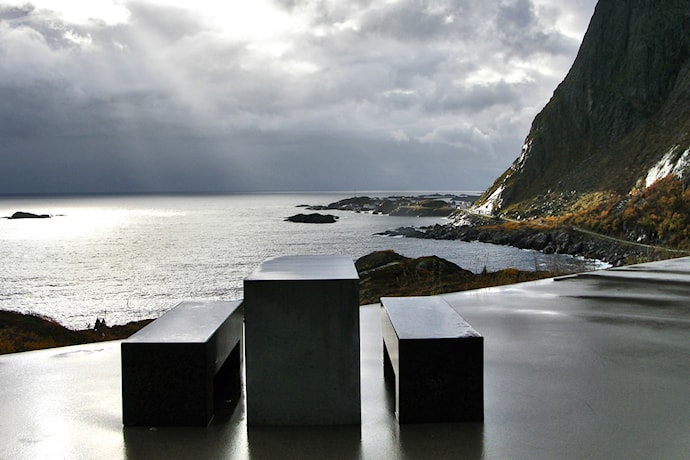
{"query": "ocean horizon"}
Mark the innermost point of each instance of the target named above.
(124, 257)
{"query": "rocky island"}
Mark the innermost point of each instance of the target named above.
(28, 215)
(432, 205)
(314, 218)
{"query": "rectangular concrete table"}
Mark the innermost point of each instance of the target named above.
(302, 342)
(437, 360)
(174, 368)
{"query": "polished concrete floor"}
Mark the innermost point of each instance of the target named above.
(590, 366)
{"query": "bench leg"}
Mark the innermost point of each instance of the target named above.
(388, 372)
(227, 382)
(227, 385)
(390, 382)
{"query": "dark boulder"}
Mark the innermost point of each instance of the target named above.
(378, 259)
(540, 241)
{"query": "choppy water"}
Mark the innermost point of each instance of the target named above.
(133, 257)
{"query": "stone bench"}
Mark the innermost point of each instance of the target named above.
(174, 368)
(302, 342)
(436, 359)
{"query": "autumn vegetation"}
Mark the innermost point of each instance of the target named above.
(658, 215)
(656, 218)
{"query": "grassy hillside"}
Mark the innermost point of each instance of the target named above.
(659, 215)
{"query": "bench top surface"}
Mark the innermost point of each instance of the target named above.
(426, 318)
(297, 268)
(187, 322)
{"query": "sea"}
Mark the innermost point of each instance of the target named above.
(128, 257)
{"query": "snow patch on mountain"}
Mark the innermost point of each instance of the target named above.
(671, 163)
(493, 202)
(524, 153)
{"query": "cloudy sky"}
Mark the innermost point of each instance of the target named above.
(274, 95)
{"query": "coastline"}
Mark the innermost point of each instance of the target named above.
(134, 257)
(470, 227)
(382, 273)
(430, 275)
(566, 241)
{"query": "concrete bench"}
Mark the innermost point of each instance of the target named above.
(302, 342)
(174, 368)
(436, 359)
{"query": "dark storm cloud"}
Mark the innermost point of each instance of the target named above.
(521, 33)
(474, 99)
(287, 95)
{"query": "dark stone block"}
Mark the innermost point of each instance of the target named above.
(302, 342)
(174, 368)
(436, 360)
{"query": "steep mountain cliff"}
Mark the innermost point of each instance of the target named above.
(618, 122)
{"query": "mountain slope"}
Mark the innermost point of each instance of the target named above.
(619, 121)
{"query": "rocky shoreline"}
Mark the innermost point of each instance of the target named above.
(547, 240)
(523, 235)
(556, 241)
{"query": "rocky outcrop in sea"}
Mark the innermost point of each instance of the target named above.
(432, 205)
(314, 218)
(28, 215)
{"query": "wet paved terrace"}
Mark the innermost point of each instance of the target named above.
(595, 365)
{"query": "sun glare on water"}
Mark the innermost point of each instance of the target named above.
(78, 223)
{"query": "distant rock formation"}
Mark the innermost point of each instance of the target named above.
(314, 218)
(28, 215)
(407, 232)
(433, 205)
